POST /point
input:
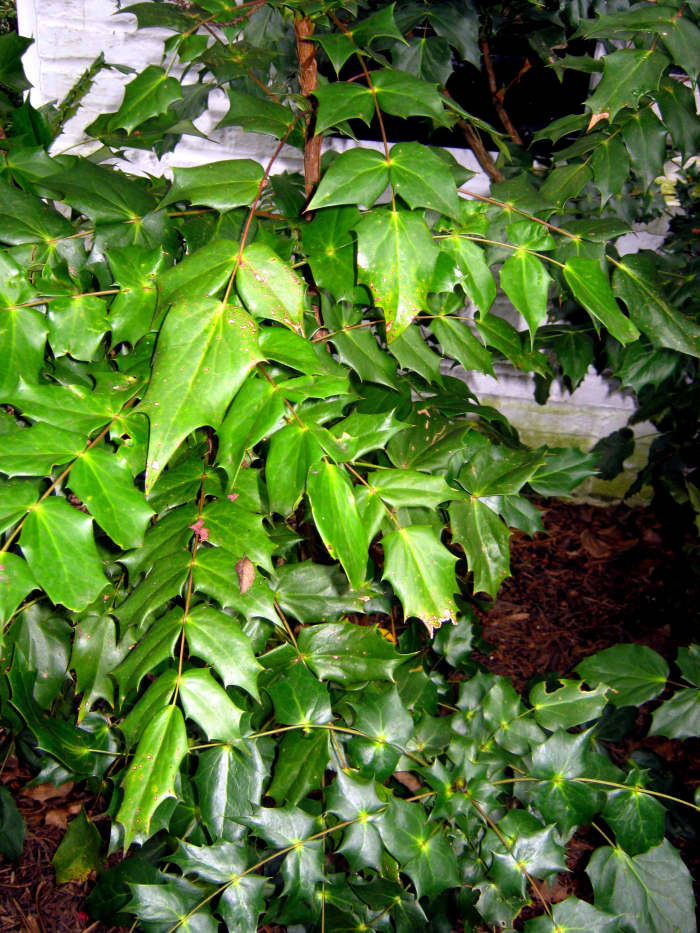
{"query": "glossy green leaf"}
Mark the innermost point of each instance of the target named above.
(426, 858)
(135, 270)
(217, 638)
(78, 853)
(214, 573)
(242, 903)
(337, 519)
(155, 646)
(678, 717)
(502, 336)
(422, 572)
(208, 704)
(148, 95)
(387, 724)
(563, 470)
(95, 655)
(77, 325)
(155, 698)
(351, 797)
(526, 282)
(268, 287)
(637, 819)
(300, 766)
(59, 547)
(422, 178)
(204, 352)
(357, 176)
(289, 348)
(45, 646)
(357, 346)
(229, 784)
(256, 411)
(497, 471)
(402, 95)
(628, 75)
(104, 485)
(312, 592)
(413, 354)
(100, 194)
(590, 286)
(557, 795)
(457, 341)
(330, 248)
(201, 274)
(150, 777)
(425, 57)
(682, 39)
(645, 138)
(257, 114)
(342, 101)
(566, 182)
(568, 705)
(476, 277)
(652, 891)
(348, 653)
(292, 451)
(34, 451)
(229, 525)
(409, 487)
(634, 673)
(636, 281)
(73, 408)
(163, 581)
(69, 745)
(399, 243)
(359, 433)
(575, 916)
(16, 582)
(484, 538)
(610, 165)
(299, 698)
(166, 904)
(221, 185)
(290, 828)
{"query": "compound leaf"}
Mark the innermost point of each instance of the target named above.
(150, 776)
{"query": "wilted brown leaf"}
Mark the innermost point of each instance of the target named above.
(43, 792)
(246, 574)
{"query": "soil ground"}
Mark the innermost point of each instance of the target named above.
(599, 576)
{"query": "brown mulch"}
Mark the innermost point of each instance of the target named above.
(30, 899)
(598, 577)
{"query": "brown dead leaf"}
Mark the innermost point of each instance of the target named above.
(246, 574)
(408, 780)
(43, 792)
(594, 545)
(59, 816)
(596, 118)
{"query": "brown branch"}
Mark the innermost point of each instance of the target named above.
(308, 81)
(483, 156)
(496, 97)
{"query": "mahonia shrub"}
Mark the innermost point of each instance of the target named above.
(249, 497)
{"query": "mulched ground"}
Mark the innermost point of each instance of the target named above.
(598, 577)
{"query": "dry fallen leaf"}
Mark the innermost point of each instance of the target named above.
(246, 574)
(59, 816)
(44, 792)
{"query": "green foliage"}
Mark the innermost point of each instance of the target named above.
(240, 472)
